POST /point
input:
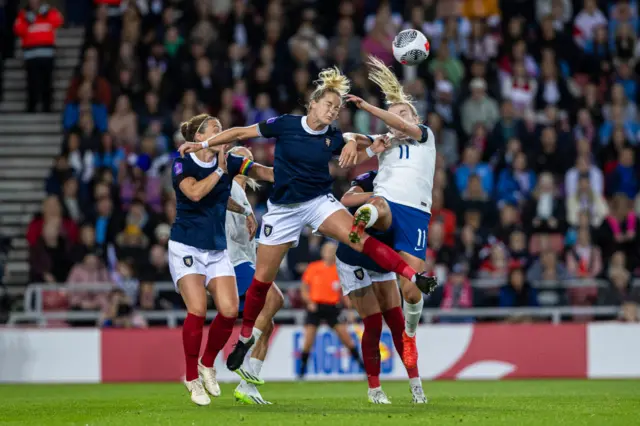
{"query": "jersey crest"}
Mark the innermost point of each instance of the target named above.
(359, 273)
(268, 229)
(188, 261)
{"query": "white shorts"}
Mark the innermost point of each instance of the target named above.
(354, 277)
(284, 223)
(185, 260)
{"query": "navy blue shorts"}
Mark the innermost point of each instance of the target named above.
(244, 275)
(410, 229)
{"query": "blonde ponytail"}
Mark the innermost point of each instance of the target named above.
(331, 80)
(382, 76)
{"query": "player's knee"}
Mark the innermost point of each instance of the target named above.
(411, 294)
(229, 310)
(200, 311)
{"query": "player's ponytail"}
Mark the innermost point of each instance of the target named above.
(384, 78)
(331, 80)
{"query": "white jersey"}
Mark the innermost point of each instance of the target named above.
(240, 247)
(406, 170)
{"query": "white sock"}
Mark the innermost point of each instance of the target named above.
(256, 365)
(412, 314)
(415, 382)
(374, 214)
(244, 339)
(375, 389)
(257, 334)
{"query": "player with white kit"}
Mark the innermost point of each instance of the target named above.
(402, 188)
(242, 253)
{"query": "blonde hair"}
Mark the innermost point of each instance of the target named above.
(251, 182)
(331, 80)
(384, 78)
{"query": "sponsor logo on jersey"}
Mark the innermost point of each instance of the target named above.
(188, 261)
(268, 229)
(177, 168)
(359, 273)
(330, 358)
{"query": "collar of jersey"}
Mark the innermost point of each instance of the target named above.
(204, 164)
(309, 130)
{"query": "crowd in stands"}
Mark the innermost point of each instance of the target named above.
(533, 105)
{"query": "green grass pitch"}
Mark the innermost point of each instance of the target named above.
(513, 403)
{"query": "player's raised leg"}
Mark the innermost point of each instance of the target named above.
(225, 294)
(338, 227)
(247, 392)
(195, 299)
(268, 262)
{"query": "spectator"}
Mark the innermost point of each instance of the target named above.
(444, 100)
(444, 216)
(630, 312)
(517, 292)
(89, 73)
(619, 290)
(90, 275)
(583, 168)
(51, 212)
(72, 206)
(107, 222)
(549, 157)
(552, 90)
(584, 260)
(49, 257)
(547, 268)
(516, 184)
(585, 128)
(118, 313)
(619, 98)
(471, 166)
(588, 200)
(520, 88)
(456, 293)
(58, 175)
(518, 249)
(36, 26)
(619, 231)
(86, 244)
(624, 178)
(85, 104)
(446, 139)
(451, 68)
(545, 211)
(80, 157)
(443, 254)
(507, 223)
(496, 265)
(123, 123)
(479, 108)
(586, 22)
(157, 268)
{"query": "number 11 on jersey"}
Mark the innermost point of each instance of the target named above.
(404, 151)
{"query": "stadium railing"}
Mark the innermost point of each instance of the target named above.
(34, 310)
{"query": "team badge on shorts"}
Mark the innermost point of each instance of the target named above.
(359, 273)
(188, 261)
(268, 229)
(327, 141)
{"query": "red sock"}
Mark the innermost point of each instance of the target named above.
(371, 348)
(219, 332)
(253, 304)
(395, 321)
(191, 339)
(387, 258)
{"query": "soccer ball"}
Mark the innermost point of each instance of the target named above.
(410, 47)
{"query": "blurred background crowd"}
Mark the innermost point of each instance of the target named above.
(533, 104)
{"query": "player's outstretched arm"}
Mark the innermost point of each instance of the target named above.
(196, 190)
(380, 143)
(389, 118)
(355, 197)
(260, 172)
(233, 134)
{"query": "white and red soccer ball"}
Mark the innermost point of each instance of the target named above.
(410, 47)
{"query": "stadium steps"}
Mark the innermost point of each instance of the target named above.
(28, 144)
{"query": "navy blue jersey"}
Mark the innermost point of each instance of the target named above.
(348, 255)
(201, 224)
(301, 166)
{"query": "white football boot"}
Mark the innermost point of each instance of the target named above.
(377, 396)
(198, 394)
(208, 377)
(418, 394)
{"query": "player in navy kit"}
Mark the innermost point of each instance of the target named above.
(198, 257)
(374, 293)
(302, 196)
